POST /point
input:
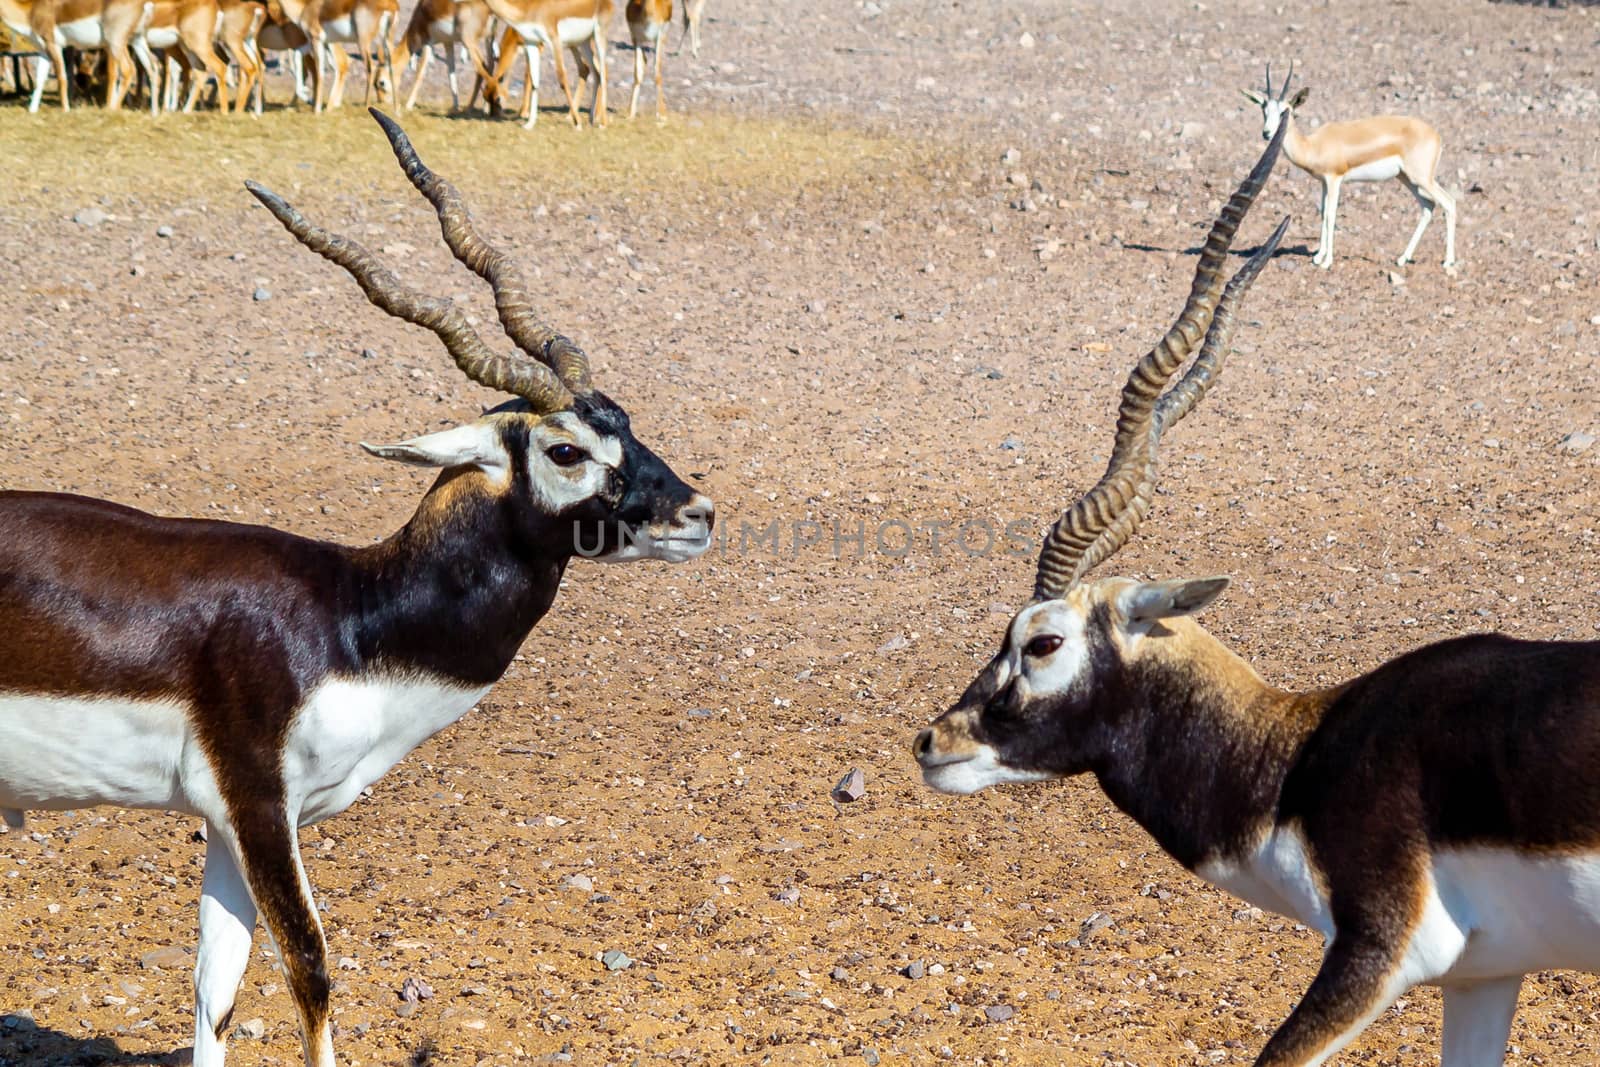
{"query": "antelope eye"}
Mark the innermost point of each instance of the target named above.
(1042, 646)
(566, 455)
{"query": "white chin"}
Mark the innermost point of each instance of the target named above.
(979, 772)
(670, 549)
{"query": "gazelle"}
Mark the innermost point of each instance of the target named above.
(16, 16)
(365, 23)
(1436, 819)
(560, 24)
(191, 25)
(449, 24)
(1361, 150)
(693, 10)
(53, 25)
(648, 21)
(262, 680)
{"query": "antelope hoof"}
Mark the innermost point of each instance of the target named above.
(1401, 262)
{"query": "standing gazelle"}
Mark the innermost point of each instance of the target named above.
(1361, 150)
(262, 680)
(1436, 820)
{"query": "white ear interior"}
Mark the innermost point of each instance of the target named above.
(475, 444)
(1162, 600)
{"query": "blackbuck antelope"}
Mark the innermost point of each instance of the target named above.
(261, 680)
(1437, 820)
(1361, 150)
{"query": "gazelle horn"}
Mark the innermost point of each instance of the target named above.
(532, 381)
(521, 323)
(1063, 557)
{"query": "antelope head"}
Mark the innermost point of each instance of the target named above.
(1274, 105)
(560, 463)
(1047, 705)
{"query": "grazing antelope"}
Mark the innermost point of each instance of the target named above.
(692, 12)
(647, 26)
(557, 24)
(52, 26)
(1437, 820)
(365, 23)
(189, 25)
(1361, 150)
(262, 680)
(449, 24)
(16, 17)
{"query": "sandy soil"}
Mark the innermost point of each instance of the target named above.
(817, 291)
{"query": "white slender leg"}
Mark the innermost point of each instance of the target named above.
(1330, 215)
(1422, 223)
(1477, 1022)
(531, 51)
(638, 79)
(422, 71)
(147, 63)
(41, 71)
(1448, 202)
(227, 925)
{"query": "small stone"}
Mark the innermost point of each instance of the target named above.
(368, 353)
(1010, 157)
(348, 963)
(90, 216)
(789, 894)
(839, 974)
(816, 307)
(1578, 441)
(1139, 205)
(1396, 278)
(581, 882)
(1018, 178)
(615, 959)
(171, 958)
(852, 787)
(894, 644)
(1026, 40)
(1094, 924)
(914, 970)
(251, 1029)
(1011, 444)
(1190, 130)
(700, 713)
(163, 231)
(870, 1057)
(406, 1009)
(999, 1013)
(413, 990)
(262, 293)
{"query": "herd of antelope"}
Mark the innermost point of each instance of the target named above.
(1436, 820)
(165, 44)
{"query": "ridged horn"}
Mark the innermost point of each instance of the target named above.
(532, 381)
(1081, 526)
(1178, 402)
(522, 324)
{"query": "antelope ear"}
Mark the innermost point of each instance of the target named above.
(475, 444)
(1300, 97)
(1254, 97)
(1162, 600)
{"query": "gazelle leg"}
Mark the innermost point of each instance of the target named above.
(661, 100)
(565, 83)
(600, 107)
(422, 71)
(62, 77)
(278, 883)
(531, 51)
(41, 74)
(1477, 1022)
(1330, 215)
(147, 62)
(1422, 223)
(319, 74)
(227, 926)
(1448, 202)
(638, 79)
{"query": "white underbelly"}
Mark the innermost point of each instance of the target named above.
(1376, 171)
(1519, 913)
(165, 37)
(82, 33)
(341, 29)
(350, 731)
(66, 752)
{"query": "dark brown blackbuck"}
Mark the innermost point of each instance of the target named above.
(1437, 820)
(262, 680)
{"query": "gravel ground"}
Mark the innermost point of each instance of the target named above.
(889, 269)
